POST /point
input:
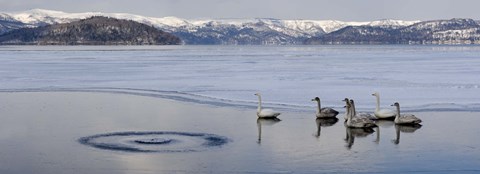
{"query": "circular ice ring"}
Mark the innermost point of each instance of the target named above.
(161, 141)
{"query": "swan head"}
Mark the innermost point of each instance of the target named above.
(396, 104)
(351, 101)
(375, 94)
(347, 104)
(257, 94)
(316, 99)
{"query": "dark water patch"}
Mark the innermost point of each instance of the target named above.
(162, 141)
(215, 141)
(155, 141)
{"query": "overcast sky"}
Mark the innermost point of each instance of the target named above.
(346, 10)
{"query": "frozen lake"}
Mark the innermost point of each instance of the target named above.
(191, 109)
(421, 78)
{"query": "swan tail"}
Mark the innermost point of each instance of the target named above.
(370, 125)
(335, 113)
(411, 119)
(417, 121)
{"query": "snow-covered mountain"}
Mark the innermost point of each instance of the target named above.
(452, 31)
(205, 31)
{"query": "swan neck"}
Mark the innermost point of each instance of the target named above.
(378, 102)
(349, 115)
(397, 117)
(259, 104)
(354, 110)
(347, 112)
(319, 107)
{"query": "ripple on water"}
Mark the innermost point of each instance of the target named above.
(155, 141)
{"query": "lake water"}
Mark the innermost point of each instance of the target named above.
(41, 132)
(191, 109)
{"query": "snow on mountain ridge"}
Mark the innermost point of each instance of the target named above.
(41, 16)
(295, 27)
(391, 22)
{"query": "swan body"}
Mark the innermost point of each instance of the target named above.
(265, 113)
(366, 115)
(361, 114)
(325, 112)
(405, 118)
(355, 121)
(383, 113)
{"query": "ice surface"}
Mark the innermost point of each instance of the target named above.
(420, 78)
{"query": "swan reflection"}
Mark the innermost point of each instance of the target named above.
(324, 122)
(382, 124)
(265, 122)
(404, 129)
(352, 133)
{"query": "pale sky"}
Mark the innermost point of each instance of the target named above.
(346, 10)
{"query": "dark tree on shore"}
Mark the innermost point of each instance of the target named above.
(91, 31)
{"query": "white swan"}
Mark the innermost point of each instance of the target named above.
(265, 113)
(383, 113)
(405, 118)
(324, 112)
(357, 122)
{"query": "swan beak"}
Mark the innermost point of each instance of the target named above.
(313, 99)
(373, 94)
(392, 105)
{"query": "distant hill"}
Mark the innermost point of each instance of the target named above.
(255, 31)
(95, 30)
(453, 31)
(268, 31)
